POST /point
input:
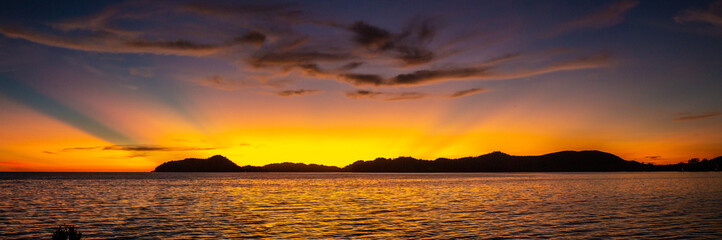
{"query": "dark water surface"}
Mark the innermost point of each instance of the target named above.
(363, 206)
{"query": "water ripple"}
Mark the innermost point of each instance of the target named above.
(363, 206)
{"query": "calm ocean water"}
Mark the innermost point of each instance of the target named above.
(363, 206)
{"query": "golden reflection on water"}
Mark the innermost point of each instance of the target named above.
(363, 206)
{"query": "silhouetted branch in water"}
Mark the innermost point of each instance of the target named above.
(67, 232)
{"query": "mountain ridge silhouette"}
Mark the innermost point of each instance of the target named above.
(564, 161)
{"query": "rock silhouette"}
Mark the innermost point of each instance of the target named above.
(67, 232)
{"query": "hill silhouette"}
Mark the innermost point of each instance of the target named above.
(298, 167)
(216, 163)
(565, 161)
(220, 163)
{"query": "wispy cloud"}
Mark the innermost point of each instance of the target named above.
(424, 76)
(265, 40)
(250, 81)
(386, 96)
(298, 92)
(712, 15)
(145, 72)
(219, 82)
(420, 77)
(113, 43)
(609, 16)
(703, 21)
(283, 12)
(298, 58)
(153, 148)
(106, 32)
(690, 116)
(134, 148)
(467, 92)
(585, 62)
(409, 47)
(81, 148)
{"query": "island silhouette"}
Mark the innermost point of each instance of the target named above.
(565, 161)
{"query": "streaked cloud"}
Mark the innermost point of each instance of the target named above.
(153, 148)
(107, 31)
(297, 58)
(266, 42)
(421, 77)
(113, 43)
(690, 116)
(409, 47)
(385, 96)
(712, 15)
(702, 21)
(609, 16)
(145, 72)
(134, 148)
(298, 92)
(467, 92)
(219, 82)
(222, 83)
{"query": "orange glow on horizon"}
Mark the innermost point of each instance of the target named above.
(44, 144)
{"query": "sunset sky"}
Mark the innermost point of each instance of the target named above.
(125, 86)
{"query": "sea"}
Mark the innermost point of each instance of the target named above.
(625, 205)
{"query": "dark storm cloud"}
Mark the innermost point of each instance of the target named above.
(299, 92)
